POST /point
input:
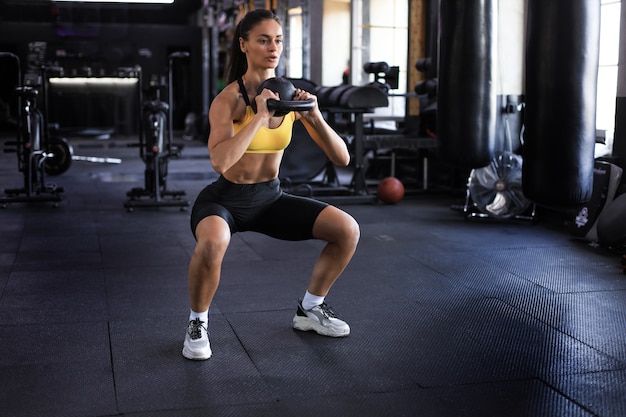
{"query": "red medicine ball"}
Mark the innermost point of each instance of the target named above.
(390, 190)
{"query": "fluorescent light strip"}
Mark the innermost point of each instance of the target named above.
(116, 1)
(94, 80)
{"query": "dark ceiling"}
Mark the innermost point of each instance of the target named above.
(181, 12)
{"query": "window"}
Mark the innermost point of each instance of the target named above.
(388, 42)
(607, 70)
(294, 65)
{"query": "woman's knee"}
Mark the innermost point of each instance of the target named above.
(352, 230)
(212, 239)
(334, 225)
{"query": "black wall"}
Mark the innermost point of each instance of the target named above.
(104, 47)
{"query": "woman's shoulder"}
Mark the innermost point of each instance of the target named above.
(229, 93)
(230, 99)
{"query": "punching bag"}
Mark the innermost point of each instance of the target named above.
(560, 117)
(466, 96)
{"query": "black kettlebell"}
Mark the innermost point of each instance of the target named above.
(285, 90)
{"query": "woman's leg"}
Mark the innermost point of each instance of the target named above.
(212, 240)
(342, 233)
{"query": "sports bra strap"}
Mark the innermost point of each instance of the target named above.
(242, 90)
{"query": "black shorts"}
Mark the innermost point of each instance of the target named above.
(261, 207)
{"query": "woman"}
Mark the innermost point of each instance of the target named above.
(246, 146)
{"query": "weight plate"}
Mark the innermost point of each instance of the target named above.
(61, 158)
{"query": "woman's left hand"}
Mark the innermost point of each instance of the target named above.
(305, 95)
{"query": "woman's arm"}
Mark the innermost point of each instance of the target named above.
(322, 133)
(226, 148)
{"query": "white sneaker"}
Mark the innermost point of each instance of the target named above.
(320, 319)
(197, 345)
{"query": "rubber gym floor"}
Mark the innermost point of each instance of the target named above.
(449, 316)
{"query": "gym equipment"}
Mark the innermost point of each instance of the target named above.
(423, 64)
(385, 76)
(390, 190)
(156, 147)
(426, 91)
(560, 116)
(303, 160)
(496, 189)
(304, 84)
(344, 107)
(62, 155)
(611, 227)
(346, 103)
(427, 86)
(285, 90)
(606, 180)
(611, 224)
(466, 95)
(354, 97)
(32, 145)
(60, 151)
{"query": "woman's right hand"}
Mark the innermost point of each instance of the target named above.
(261, 101)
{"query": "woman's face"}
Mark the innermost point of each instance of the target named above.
(264, 45)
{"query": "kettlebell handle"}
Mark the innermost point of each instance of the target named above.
(286, 106)
(282, 107)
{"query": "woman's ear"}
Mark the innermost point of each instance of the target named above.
(242, 45)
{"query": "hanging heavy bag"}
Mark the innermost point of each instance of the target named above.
(561, 76)
(466, 96)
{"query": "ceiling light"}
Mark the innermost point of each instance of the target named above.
(116, 1)
(82, 81)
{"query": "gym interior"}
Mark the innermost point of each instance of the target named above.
(488, 140)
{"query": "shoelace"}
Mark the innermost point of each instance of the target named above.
(196, 326)
(327, 311)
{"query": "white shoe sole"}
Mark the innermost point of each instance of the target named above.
(305, 324)
(196, 356)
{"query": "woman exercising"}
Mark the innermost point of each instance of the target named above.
(246, 145)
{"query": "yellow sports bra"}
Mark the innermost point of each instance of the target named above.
(266, 140)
